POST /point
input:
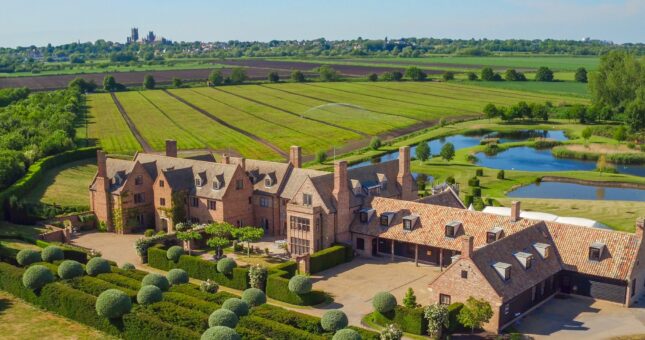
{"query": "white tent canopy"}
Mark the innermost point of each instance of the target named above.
(542, 216)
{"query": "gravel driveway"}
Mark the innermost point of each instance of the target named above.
(115, 247)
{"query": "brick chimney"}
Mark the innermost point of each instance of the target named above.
(467, 246)
(171, 148)
(295, 156)
(515, 211)
(101, 162)
(226, 159)
(100, 199)
(640, 226)
(404, 176)
(341, 197)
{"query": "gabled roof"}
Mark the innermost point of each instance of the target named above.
(116, 166)
(446, 198)
(278, 172)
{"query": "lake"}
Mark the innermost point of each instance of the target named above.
(577, 191)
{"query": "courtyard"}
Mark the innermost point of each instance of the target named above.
(116, 247)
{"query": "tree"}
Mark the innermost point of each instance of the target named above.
(273, 77)
(601, 164)
(581, 75)
(176, 82)
(447, 151)
(216, 78)
(487, 74)
(471, 76)
(372, 77)
(539, 111)
(491, 111)
(238, 75)
(297, 76)
(510, 74)
(109, 83)
(187, 237)
(475, 313)
(218, 243)
(448, 75)
(327, 73)
(410, 300)
(248, 235)
(586, 134)
(423, 151)
(620, 134)
(321, 156)
(392, 76)
(220, 233)
(83, 85)
(148, 82)
(544, 74)
(415, 73)
(375, 143)
(438, 318)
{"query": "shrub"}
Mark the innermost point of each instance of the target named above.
(209, 286)
(120, 280)
(273, 330)
(223, 317)
(500, 174)
(156, 280)
(453, 323)
(477, 192)
(479, 172)
(97, 265)
(52, 253)
(179, 316)
(70, 269)
(237, 306)
(375, 143)
(329, 257)
(280, 315)
(300, 284)
(220, 333)
(190, 302)
(148, 295)
(473, 182)
(174, 253)
(177, 276)
(257, 276)
(226, 265)
(384, 302)
(26, 257)
(254, 297)
(140, 324)
(149, 233)
(346, 334)
(334, 320)
(113, 303)
(95, 286)
(37, 276)
(411, 320)
(128, 266)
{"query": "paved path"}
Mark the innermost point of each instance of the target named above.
(115, 247)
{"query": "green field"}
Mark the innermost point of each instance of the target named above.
(65, 185)
(106, 125)
(557, 87)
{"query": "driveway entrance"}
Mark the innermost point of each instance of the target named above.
(116, 247)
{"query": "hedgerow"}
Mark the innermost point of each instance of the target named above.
(330, 257)
(220, 333)
(278, 287)
(95, 286)
(179, 316)
(411, 320)
(190, 302)
(140, 324)
(276, 331)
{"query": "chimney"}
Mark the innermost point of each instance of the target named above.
(226, 159)
(171, 148)
(242, 163)
(467, 246)
(404, 177)
(515, 211)
(101, 161)
(640, 226)
(341, 197)
(295, 156)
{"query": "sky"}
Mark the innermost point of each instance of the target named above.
(38, 22)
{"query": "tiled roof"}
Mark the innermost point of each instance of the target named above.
(446, 198)
(114, 166)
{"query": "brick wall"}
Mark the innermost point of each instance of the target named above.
(236, 204)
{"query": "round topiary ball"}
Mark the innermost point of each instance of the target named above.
(70, 269)
(52, 253)
(97, 265)
(237, 306)
(113, 303)
(334, 320)
(223, 317)
(346, 334)
(254, 297)
(173, 253)
(149, 294)
(300, 284)
(35, 277)
(156, 280)
(383, 302)
(177, 276)
(26, 257)
(226, 266)
(128, 266)
(220, 333)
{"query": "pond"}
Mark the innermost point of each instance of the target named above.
(467, 141)
(526, 158)
(578, 191)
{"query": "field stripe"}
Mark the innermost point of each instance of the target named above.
(133, 128)
(216, 119)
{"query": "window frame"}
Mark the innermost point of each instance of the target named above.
(212, 205)
(138, 180)
(443, 298)
(139, 198)
(162, 201)
(162, 183)
(594, 254)
(194, 201)
(307, 199)
(239, 184)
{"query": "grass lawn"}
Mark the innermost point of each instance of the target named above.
(106, 125)
(10, 229)
(18, 244)
(19, 320)
(66, 184)
(570, 88)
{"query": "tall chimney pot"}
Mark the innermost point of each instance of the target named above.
(467, 246)
(295, 156)
(101, 162)
(171, 148)
(515, 211)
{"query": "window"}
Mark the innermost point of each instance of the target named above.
(407, 224)
(507, 309)
(194, 220)
(264, 202)
(138, 180)
(464, 274)
(162, 201)
(363, 216)
(300, 223)
(385, 220)
(444, 299)
(542, 285)
(306, 199)
(198, 182)
(360, 243)
(212, 205)
(299, 246)
(491, 237)
(633, 290)
(533, 293)
(141, 219)
(162, 183)
(139, 198)
(268, 182)
(239, 184)
(450, 231)
(529, 262)
(217, 185)
(594, 254)
(194, 202)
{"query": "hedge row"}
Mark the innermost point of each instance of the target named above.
(140, 324)
(9, 254)
(94, 286)
(410, 320)
(330, 257)
(179, 316)
(199, 269)
(121, 281)
(190, 302)
(277, 287)
(193, 291)
(276, 331)
(305, 322)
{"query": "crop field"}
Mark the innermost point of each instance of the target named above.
(106, 125)
(569, 88)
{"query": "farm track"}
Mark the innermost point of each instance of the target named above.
(133, 128)
(220, 121)
(294, 114)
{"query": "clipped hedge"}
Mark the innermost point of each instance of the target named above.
(330, 257)
(26, 257)
(276, 331)
(254, 297)
(410, 320)
(177, 276)
(305, 322)
(277, 287)
(97, 265)
(52, 253)
(156, 280)
(223, 317)
(121, 281)
(179, 316)
(70, 269)
(347, 334)
(453, 322)
(193, 291)
(148, 295)
(190, 302)
(140, 324)
(113, 303)
(95, 286)
(237, 306)
(220, 333)
(36, 277)
(334, 320)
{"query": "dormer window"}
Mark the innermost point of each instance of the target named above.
(410, 221)
(503, 270)
(596, 251)
(217, 185)
(543, 249)
(382, 179)
(525, 259)
(365, 215)
(452, 229)
(386, 219)
(268, 182)
(494, 234)
(198, 182)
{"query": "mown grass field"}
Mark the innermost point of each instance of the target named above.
(66, 184)
(106, 125)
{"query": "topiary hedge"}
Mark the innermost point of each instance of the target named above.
(95, 286)
(128, 266)
(113, 303)
(273, 330)
(254, 297)
(237, 306)
(36, 277)
(177, 276)
(179, 316)
(277, 287)
(453, 322)
(70, 269)
(97, 265)
(411, 320)
(346, 334)
(52, 253)
(174, 253)
(223, 317)
(140, 324)
(226, 265)
(156, 280)
(334, 320)
(330, 257)
(300, 284)
(220, 333)
(149, 294)
(26, 257)
(383, 302)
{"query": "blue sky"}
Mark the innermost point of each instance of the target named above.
(38, 22)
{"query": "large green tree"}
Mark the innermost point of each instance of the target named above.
(248, 235)
(109, 83)
(238, 75)
(423, 151)
(544, 74)
(219, 236)
(475, 313)
(149, 82)
(415, 73)
(216, 77)
(447, 151)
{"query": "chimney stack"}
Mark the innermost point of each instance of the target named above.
(226, 159)
(640, 226)
(171, 148)
(404, 176)
(101, 161)
(295, 156)
(467, 246)
(341, 196)
(515, 211)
